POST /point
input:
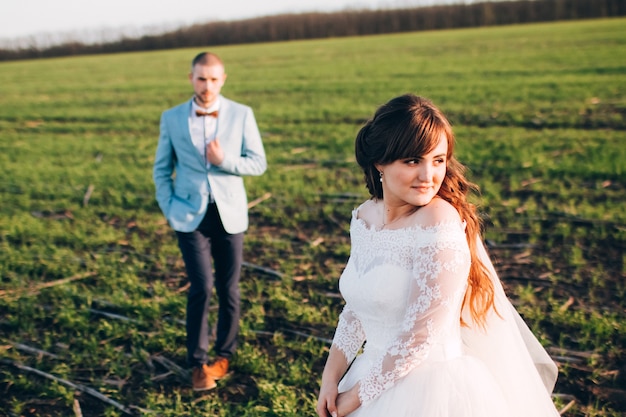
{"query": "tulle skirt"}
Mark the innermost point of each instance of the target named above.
(459, 387)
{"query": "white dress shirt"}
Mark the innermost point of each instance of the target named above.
(203, 128)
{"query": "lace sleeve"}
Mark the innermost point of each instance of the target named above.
(349, 336)
(440, 269)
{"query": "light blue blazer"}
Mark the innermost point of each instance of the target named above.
(182, 180)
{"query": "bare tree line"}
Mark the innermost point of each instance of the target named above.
(346, 23)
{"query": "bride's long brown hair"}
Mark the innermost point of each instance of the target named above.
(409, 126)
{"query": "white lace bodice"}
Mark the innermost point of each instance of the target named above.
(403, 290)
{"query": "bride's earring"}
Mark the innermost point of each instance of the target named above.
(381, 176)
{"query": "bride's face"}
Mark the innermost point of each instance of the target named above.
(415, 181)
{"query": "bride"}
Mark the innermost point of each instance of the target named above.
(426, 330)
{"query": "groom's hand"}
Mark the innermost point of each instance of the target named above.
(214, 152)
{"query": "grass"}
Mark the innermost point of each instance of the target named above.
(539, 116)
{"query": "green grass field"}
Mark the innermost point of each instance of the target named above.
(92, 286)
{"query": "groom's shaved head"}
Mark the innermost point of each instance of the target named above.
(206, 58)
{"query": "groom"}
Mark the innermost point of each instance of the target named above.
(205, 147)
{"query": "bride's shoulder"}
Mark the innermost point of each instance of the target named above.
(438, 211)
(367, 211)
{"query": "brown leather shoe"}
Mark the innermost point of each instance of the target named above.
(218, 368)
(201, 380)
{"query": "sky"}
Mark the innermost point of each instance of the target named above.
(57, 21)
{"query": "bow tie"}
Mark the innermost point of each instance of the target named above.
(200, 113)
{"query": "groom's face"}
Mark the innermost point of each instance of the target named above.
(207, 82)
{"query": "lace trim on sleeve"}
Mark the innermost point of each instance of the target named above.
(349, 336)
(439, 272)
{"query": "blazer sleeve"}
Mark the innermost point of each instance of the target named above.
(251, 160)
(164, 167)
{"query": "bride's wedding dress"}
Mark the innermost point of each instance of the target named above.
(404, 290)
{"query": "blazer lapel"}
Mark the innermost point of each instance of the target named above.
(182, 119)
(221, 120)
